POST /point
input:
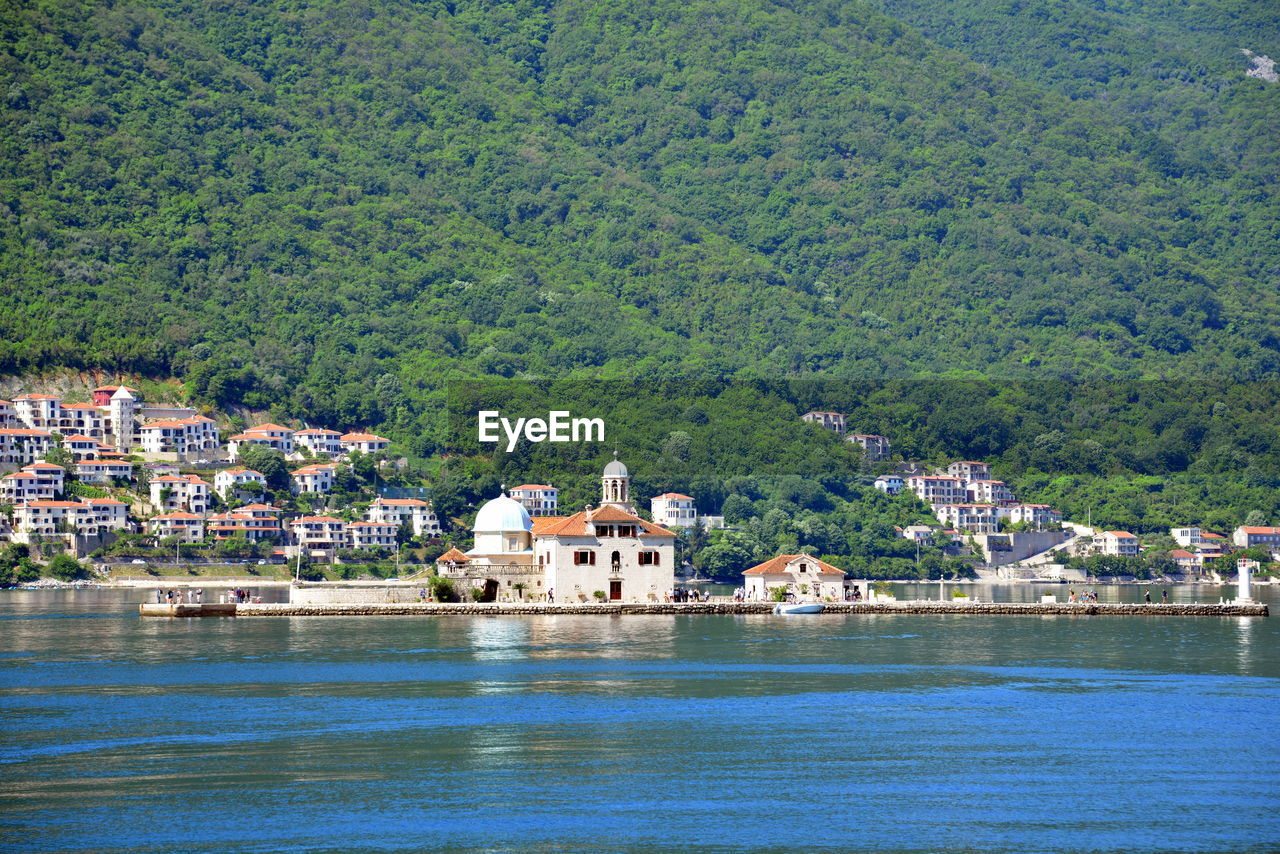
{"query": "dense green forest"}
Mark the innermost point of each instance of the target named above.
(1144, 456)
(330, 211)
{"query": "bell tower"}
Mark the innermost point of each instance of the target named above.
(615, 484)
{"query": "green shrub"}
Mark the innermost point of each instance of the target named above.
(65, 568)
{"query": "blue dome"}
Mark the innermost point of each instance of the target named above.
(502, 514)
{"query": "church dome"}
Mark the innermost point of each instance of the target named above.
(615, 469)
(502, 514)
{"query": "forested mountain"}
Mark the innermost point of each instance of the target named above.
(331, 207)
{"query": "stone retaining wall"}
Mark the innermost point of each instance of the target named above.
(1003, 608)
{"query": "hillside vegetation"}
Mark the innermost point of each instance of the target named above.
(328, 211)
(302, 203)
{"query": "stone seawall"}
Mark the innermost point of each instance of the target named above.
(1025, 609)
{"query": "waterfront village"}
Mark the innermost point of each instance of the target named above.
(80, 477)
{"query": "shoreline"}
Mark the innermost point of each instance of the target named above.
(435, 609)
(186, 582)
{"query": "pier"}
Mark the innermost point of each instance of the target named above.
(187, 609)
(491, 609)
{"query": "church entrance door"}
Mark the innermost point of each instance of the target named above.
(615, 591)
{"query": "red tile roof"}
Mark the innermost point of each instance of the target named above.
(576, 525)
(452, 556)
(675, 495)
(778, 565)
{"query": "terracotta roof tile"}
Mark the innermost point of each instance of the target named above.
(778, 565)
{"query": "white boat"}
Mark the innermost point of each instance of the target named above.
(798, 608)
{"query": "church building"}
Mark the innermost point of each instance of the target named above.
(567, 559)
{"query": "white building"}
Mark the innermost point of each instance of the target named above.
(277, 437)
(1186, 536)
(371, 535)
(180, 492)
(104, 472)
(832, 421)
(38, 411)
(673, 510)
(918, 533)
(89, 518)
(1118, 543)
(320, 442)
(970, 518)
(36, 482)
(185, 437)
(316, 478)
(875, 448)
(188, 526)
(313, 534)
(989, 492)
(938, 489)
(253, 522)
(1248, 536)
(969, 470)
(421, 518)
(539, 499)
(365, 443)
(607, 549)
(1038, 516)
(890, 484)
(803, 576)
(231, 483)
(23, 445)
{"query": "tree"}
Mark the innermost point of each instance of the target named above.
(404, 532)
(60, 456)
(269, 463)
(65, 568)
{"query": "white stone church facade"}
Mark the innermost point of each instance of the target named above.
(569, 558)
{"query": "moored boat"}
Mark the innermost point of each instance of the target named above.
(798, 608)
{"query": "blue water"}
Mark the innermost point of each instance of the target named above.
(762, 733)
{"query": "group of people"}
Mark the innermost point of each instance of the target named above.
(175, 597)
(1089, 595)
(684, 595)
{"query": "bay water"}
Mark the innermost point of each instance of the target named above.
(639, 733)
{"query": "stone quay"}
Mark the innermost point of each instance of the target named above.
(492, 609)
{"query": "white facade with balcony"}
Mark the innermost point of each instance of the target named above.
(673, 510)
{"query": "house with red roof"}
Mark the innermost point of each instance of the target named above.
(803, 576)
(1249, 536)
